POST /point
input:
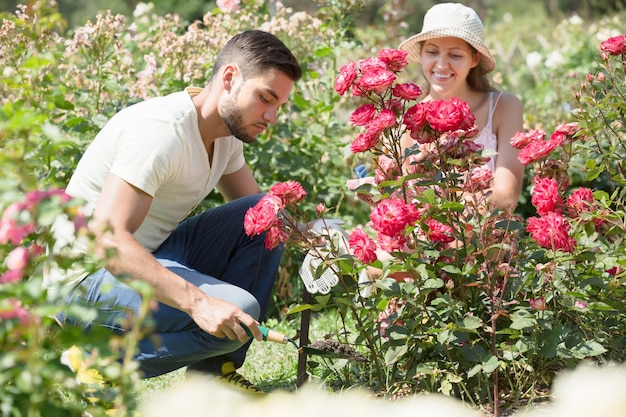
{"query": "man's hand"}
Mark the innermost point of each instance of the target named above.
(223, 319)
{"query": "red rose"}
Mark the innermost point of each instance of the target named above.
(407, 91)
(615, 45)
(439, 232)
(415, 117)
(551, 231)
(263, 215)
(377, 80)
(364, 142)
(385, 119)
(394, 59)
(546, 197)
(535, 151)
(444, 116)
(347, 75)
(363, 115)
(289, 192)
(580, 201)
(362, 246)
(522, 139)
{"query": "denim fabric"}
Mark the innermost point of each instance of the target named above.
(212, 251)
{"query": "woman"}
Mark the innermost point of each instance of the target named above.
(455, 62)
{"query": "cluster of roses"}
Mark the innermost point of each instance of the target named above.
(440, 130)
(551, 230)
(270, 214)
(18, 222)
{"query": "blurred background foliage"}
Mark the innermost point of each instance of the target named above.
(374, 12)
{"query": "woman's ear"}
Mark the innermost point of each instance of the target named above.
(476, 57)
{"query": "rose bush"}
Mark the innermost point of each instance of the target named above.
(483, 310)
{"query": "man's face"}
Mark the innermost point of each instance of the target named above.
(253, 104)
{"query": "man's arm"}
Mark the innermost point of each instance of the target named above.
(119, 212)
(238, 184)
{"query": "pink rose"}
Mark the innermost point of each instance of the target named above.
(390, 243)
(537, 303)
(17, 259)
(394, 59)
(568, 129)
(546, 197)
(407, 91)
(347, 75)
(274, 236)
(289, 192)
(228, 6)
(522, 139)
(615, 45)
(439, 232)
(363, 115)
(12, 275)
(364, 142)
(371, 64)
(362, 246)
(579, 201)
(535, 151)
(385, 119)
(263, 215)
(478, 179)
(551, 231)
(377, 80)
(390, 216)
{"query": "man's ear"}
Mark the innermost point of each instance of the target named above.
(229, 74)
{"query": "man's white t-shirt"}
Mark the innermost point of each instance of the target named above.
(155, 146)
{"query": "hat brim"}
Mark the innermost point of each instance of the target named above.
(412, 45)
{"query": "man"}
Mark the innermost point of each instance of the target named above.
(148, 168)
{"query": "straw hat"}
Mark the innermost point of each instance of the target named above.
(451, 20)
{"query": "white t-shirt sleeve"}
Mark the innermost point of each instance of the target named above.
(236, 159)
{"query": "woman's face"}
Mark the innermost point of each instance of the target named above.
(446, 62)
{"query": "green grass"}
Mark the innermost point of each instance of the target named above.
(270, 366)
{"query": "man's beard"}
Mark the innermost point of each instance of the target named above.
(233, 119)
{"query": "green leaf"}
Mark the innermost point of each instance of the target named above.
(395, 353)
(522, 319)
(491, 365)
(476, 369)
(433, 283)
(472, 322)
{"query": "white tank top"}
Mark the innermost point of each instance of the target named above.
(486, 137)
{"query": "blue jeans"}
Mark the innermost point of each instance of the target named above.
(212, 251)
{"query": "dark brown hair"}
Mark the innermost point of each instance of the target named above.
(255, 52)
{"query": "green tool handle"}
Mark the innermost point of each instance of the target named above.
(268, 334)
